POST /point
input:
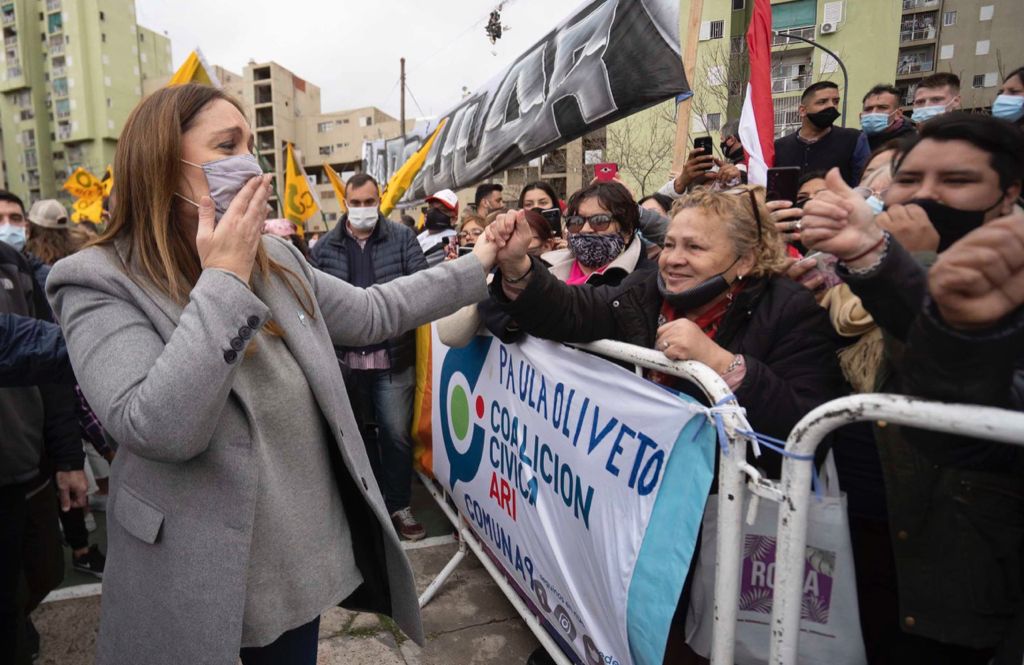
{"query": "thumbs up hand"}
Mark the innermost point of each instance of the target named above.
(839, 221)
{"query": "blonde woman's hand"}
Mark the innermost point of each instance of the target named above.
(231, 244)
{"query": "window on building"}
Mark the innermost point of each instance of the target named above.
(102, 17)
(717, 29)
(325, 150)
(737, 45)
(991, 79)
(366, 121)
(142, 37)
(103, 37)
(738, 5)
(985, 13)
(946, 52)
(796, 14)
(982, 46)
(323, 127)
(948, 18)
(716, 75)
(979, 81)
(713, 122)
(735, 88)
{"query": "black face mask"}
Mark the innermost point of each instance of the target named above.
(437, 220)
(952, 223)
(699, 295)
(824, 119)
(732, 154)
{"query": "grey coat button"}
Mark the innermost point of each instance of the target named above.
(230, 356)
(253, 321)
(245, 332)
(237, 344)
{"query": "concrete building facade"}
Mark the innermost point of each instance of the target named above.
(65, 97)
(978, 40)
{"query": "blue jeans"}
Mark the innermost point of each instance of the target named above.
(382, 401)
(298, 646)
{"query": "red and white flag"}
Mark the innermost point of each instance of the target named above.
(757, 122)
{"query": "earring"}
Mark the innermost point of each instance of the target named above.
(739, 277)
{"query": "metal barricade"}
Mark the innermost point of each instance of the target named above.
(733, 469)
(980, 422)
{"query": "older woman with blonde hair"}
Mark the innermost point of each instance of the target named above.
(242, 500)
(717, 297)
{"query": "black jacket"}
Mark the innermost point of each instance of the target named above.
(906, 128)
(956, 505)
(786, 339)
(396, 253)
(837, 148)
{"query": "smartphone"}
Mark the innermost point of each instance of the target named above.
(606, 172)
(554, 217)
(465, 250)
(704, 143)
(783, 183)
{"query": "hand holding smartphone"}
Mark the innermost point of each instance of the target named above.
(606, 172)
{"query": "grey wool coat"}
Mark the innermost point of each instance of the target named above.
(184, 482)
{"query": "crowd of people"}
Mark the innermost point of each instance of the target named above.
(249, 391)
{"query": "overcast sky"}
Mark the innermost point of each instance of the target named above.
(351, 48)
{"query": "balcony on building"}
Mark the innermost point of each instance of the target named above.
(791, 71)
(54, 23)
(781, 38)
(919, 5)
(265, 117)
(7, 16)
(60, 87)
(52, 5)
(915, 61)
(57, 67)
(31, 160)
(265, 141)
(10, 42)
(13, 69)
(918, 28)
(261, 74)
(56, 45)
(263, 94)
(63, 108)
(64, 134)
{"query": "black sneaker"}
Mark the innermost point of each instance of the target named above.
(92, 562)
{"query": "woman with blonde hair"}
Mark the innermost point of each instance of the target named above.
(717, 297)
(243, 504)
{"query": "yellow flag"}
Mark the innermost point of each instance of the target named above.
(298, 198)
(87, 210)
(108, 181)
(404, 176)
(194, 70)
(82, 184)
(337, 185)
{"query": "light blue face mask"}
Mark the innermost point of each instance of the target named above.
(226, 177)
(1008, 107)
(926, 113)
(874, 123)
(13, 236)
(876, 204)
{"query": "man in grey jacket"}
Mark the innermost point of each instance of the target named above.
(364, 249)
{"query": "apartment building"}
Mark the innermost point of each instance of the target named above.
(64, 99)
(978, 40)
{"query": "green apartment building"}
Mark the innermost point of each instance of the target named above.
(65, 96)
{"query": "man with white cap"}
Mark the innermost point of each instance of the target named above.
(442, 211)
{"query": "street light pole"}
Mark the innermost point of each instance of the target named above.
(846, 78)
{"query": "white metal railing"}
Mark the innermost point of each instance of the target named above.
(53, 5)
(63, 134)
(733, 471)
(13, 72)
(967, 420)
(912, 66)
(8, 19)
(779, 38)
(11, 40)
(57, 72)
(791, 83)
(918, 33)
(56, 49)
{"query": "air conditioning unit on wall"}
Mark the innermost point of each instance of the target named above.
(829, 28)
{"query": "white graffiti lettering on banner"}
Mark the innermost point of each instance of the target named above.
(610, 59)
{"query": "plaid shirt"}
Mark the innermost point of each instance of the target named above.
(92, 430)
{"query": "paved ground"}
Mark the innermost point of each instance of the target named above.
(469, 622)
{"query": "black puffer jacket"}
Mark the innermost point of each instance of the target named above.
(396, 253)
(786, 339)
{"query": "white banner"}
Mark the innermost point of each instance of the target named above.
(586, 482)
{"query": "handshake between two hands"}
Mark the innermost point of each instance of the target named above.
(504, 243)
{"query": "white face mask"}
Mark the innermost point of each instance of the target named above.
(362, 219)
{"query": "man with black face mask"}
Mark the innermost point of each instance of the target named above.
(817, 145)
(439, 224)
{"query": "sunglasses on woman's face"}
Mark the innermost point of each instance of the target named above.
(598, 223)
